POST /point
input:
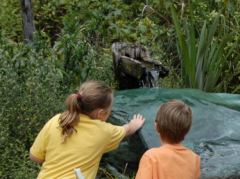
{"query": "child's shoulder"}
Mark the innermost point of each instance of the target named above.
(189, 150)
(157, 153)
(154, 151)
(55, 118)
(53, 121)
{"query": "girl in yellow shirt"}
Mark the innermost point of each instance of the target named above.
(79, 136)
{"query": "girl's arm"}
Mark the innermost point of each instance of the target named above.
(135, 124)
(35, 159)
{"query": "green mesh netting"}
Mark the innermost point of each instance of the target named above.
(215, 132)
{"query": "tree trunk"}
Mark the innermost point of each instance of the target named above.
(28, 24)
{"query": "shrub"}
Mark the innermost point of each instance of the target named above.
(11, 20)
(29, 95)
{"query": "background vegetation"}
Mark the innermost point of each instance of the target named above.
(72, 44)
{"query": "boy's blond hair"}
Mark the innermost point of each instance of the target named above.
(173, 121)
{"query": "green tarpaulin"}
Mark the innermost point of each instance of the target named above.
(215, 132)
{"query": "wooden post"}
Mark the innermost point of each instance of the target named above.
(28, 24)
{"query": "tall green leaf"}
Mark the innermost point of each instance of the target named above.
(202, 54)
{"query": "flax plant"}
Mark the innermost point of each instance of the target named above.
(202, 55)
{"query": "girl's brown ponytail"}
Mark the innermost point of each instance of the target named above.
(71, 116)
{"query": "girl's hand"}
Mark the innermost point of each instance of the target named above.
(137, 121)
(135, 124)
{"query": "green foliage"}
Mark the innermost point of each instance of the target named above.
(230, 25)
(30, 83)
(11, 20)
(48, 17)
(202, 56)
(74, 53)
(102, 69)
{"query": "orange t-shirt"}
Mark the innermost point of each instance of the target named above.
(169, 162)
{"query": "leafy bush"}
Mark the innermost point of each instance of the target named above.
(75, 53)
(49, 17)
(102, 69)
(11, 20)
(30, 83)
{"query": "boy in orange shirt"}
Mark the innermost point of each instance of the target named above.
(172, 160)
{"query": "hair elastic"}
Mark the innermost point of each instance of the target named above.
(79, 96)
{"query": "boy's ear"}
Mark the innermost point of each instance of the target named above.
(158, 131)
(156, 127)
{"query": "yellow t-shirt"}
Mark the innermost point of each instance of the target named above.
(83, 149)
